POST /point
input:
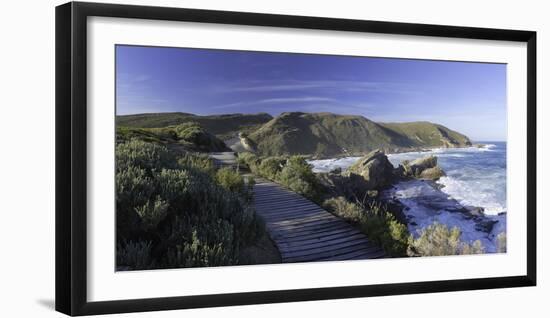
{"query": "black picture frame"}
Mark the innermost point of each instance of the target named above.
(71, 157)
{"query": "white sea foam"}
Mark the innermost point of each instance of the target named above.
(419, 197)
(474, 193)
(476, 176)
(326, 165)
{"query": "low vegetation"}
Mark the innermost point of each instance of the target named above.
(178, 211)
(375, 221)
(501, 243)
(222, 126)
(292, 172)
(329, 135)
(314, 134)
(439, 240)
(188, 136)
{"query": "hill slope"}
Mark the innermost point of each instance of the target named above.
(315, 134)
(223, 126)
(327, 134)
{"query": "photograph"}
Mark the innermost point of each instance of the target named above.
(233, 157)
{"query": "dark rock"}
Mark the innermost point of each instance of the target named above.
(432, 173)
(373, 171)
(475, 210)
(485, 225)
(396, 208)
(424, 168)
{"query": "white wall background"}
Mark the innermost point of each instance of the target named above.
(27, 157)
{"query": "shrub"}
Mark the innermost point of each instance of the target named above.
(201, 139)
(270, 167)
(136, 255)
(230, 180)
(249, 160)
(501, 243)
(144, 155)
(292, 172)
(179, 212)
(152, 213)
(376, 222)
(438, 239)
(298, 176)
(197, 161)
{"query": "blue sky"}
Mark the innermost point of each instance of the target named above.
(467, 97)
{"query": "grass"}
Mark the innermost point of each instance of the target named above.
(328, 135)
(191, 136)
(222, 126)
(297, 133)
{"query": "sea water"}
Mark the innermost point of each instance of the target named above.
(475, 176)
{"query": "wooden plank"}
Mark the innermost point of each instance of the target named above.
(303, 216)
(258, 199)
(290, 213)
(272, 197)
(300, 221)
(319, 236)
(281, 232)
(331, 249)
(366, 253)
(287, 247)
(312, 224)
(278, 214)
(329, 226)
(273, 205)
(271, 191)
(303, 231)
(318, 255)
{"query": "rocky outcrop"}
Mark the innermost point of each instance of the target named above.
(424, 168)
(246, 143)
(371, 172)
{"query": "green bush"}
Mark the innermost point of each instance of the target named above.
(249, 160)
(230, 180)
(438, 240)
(197, 161)
(271, 166)
(292, 172)
(298, 176)
(144, 155)
(194, 134)
(501, 243)
(376, 222)
(135, 255)
(187, 214)
(152, 213)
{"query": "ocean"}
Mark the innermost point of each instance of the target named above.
(475, 177)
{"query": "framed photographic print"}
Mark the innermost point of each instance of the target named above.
(209, 158)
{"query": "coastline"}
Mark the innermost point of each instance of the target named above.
(423, 202)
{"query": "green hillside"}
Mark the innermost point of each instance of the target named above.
(314, 134)
(327, 134)
(188, 136)
(223, 126)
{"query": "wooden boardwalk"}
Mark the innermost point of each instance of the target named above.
(304, 232)
(223, 159)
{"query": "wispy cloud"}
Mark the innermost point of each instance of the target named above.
(301, 85)
(281, 100)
